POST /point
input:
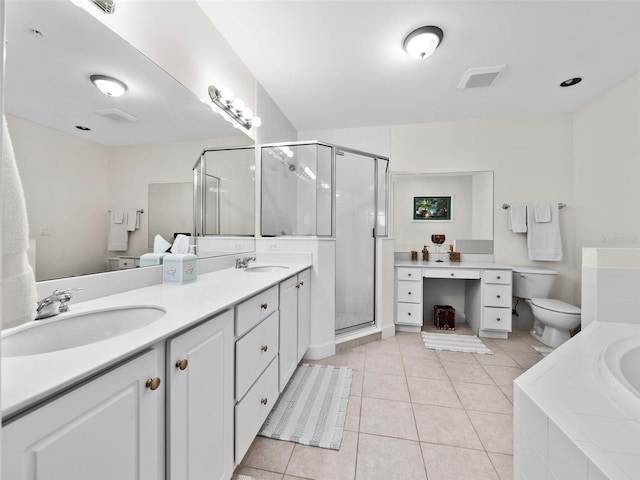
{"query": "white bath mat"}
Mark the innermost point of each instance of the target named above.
(455, 343)
(544, 351)
(312, 408)
(237, 476)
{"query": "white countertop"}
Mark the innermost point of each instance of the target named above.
(571, 389)
(29, 379)
(470, 265)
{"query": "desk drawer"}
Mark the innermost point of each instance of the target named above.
(497, 319)
(450, 273)
(410, 274)
(410, 292)
(254, 352)
(497, 296)
(250, 312)
(502, 277)
(409, 313)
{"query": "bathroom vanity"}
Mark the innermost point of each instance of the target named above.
(181, 397)
(487, 287)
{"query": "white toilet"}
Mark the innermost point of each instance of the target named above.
(553, 319)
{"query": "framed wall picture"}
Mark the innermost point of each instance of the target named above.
(432, 209)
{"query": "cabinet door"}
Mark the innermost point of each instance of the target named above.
(304, 312)
(200, 401)
(288, 353)
(111, 427)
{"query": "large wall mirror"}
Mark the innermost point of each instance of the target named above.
(82, 154)
(468, 197)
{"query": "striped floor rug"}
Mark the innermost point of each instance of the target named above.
(455, 343)
(312, 408)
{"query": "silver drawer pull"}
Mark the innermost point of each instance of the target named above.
(452, 274)
(408, 293)
(264, 348)
(264, 401)
(498, 277)
(497, 296)
(408, 274)
(264, 306)
(498, 319)
(409, 314)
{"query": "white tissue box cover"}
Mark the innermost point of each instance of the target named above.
(179, 268)
(151, 259)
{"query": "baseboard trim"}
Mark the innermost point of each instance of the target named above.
(318, 352)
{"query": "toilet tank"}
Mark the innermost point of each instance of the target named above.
(533, 282)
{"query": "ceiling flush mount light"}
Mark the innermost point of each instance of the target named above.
(234, 107)
(109, 86)
(423, 41)
(571, 82)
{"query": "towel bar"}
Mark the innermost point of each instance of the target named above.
(142, 210)
(506, 205)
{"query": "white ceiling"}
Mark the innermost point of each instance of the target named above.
(339, 64)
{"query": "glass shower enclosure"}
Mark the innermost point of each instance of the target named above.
(324, 190)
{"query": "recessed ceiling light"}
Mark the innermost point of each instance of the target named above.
(83, 128)
(423, 41)
(36, 32)
(108, 85)
(571, 82)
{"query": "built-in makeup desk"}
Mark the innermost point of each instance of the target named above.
(487, 294)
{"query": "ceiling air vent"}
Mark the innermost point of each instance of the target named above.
(107, 6)
(480, 77)
(116, 115)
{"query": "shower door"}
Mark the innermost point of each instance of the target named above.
(355, 219)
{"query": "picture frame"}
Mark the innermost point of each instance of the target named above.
(437, 208)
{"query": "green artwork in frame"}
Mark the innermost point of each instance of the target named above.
(432, 208)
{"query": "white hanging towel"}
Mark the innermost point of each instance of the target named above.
(118, 234)
(133, 220)
(543, 238)
(518, 218)
(542, 213)
(18, 281)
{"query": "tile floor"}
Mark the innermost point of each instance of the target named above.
(414, 413)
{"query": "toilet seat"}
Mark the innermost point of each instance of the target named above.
(554, 305)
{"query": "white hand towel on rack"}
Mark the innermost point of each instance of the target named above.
(518, 218)
(133, 220)
(543, 238)
(118, 235)
(18, 282)
(542, 213)
(118, 216)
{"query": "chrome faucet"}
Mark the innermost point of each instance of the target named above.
(244, 262)
(55, 303)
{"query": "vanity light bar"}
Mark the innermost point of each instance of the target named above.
(235, 108)
(506, 205)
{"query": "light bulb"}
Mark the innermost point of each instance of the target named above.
(256, 121)
(226, 95)
(238, 104)
(247, 114)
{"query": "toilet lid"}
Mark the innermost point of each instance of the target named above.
(555, 305)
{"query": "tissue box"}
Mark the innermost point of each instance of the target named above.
(179, 268)
(151, 259)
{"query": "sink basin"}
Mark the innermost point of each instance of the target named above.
(75, 330)
(265, 268)
(620, 365)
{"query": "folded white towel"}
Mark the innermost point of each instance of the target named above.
(133, 220)
(542, 213)
(543, 239)
(180, 244)
(118, 235)
(160, 245)
(18, 281)
(118, 216)
(518, 218)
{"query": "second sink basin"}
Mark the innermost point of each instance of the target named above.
(265, 268)
(75, 330)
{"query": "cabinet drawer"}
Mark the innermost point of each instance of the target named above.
(450, 273)
(497, 295)
(502, 277)
(410, 292)
(409, 313)
(497, 319)
(254, 352)
(251, 311)
(410, 274)
(126, 263)
(252, 411)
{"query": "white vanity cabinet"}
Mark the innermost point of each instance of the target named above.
(200, 401)
(294, 324)
(110, 427)
(409, 296)
(496, 301)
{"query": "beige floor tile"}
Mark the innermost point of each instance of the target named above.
(430, 391)
(259, 474)
(503, 465)
(389, 387)
(351, 360)
(352, 420)
(408, 338)
(384, 458)
(495, 431)
(453, 463)
(356, 383)
(484, 398)
(503, 376)
(291, 477)
(446, 356)
(445, 426)
(508, 392)
(388, 346)
(382, 363)
(466, 372)
(388, 417)
(418, 351)
(516, 345)
(323, 463)
(526, 360)
(424, 368)
(268, 454)
(499, 357)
